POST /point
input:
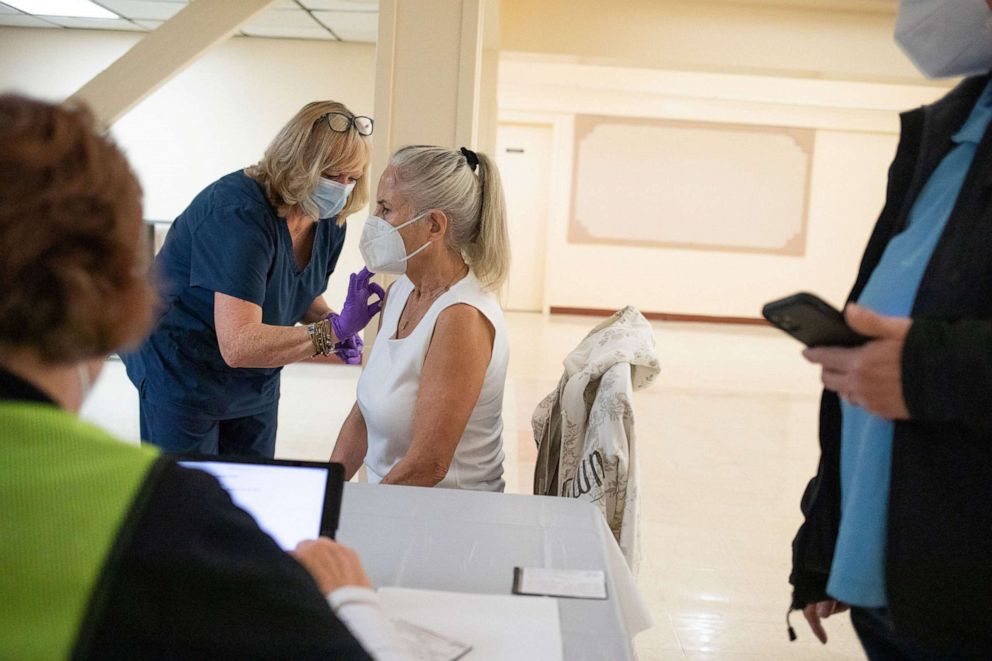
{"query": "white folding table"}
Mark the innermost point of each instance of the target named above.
(465, 541)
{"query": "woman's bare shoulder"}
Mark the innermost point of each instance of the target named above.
(462, 318)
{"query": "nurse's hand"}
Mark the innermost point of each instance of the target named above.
(350, 351)
(869, 376)
(357, 312)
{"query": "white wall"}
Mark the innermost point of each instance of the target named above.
(835, 72)
(213, 118)
(827, 66)
(841, 39)
(856, 127)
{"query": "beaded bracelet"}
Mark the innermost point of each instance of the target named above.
(312, 330)
(320, 336)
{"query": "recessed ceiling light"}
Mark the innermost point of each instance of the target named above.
(73, 8)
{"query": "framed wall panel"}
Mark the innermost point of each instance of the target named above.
(694, 185)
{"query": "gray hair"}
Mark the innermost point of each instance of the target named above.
(439, 178)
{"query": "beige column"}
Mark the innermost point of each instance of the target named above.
(488, 101)
(429, 82)
(432, 86)
(162, 54)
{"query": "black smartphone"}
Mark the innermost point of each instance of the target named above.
(812, 321)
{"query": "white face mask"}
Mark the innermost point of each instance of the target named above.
(330, 197)
(382, 246)
(946, 39)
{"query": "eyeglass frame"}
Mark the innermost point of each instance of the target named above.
(352, 123)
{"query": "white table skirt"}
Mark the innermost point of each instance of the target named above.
(466, 541)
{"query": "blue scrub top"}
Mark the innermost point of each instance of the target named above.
(857, 575)
(228, 240)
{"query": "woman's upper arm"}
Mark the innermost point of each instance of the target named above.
(352, 443)
(451, 381)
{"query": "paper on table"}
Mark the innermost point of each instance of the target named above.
(428, 645)
(498, 627)
(575, 583)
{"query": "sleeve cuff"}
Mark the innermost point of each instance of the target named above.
(352, 594)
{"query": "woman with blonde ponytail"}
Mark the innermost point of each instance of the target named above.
(489, 253)
(430, 399)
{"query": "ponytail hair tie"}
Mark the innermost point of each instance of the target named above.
(471, 157)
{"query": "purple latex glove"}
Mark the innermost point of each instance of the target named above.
(357, 312)
(350, 351)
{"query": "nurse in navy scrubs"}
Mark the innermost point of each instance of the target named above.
(246, 262)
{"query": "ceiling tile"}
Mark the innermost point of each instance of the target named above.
(4, 9)
(315, 32)
(351, 26)
(282, 18)
(94, 23)
(158, 11)
(148, 24)
(24, 21)
(342, 5)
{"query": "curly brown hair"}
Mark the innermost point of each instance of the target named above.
(73, 277)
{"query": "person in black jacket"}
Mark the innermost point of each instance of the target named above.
(898, 520)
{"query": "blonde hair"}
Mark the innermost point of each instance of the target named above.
(439, 178)
(304, 149)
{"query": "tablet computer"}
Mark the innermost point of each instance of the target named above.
(290, 500)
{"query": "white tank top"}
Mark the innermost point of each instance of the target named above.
(388, 387)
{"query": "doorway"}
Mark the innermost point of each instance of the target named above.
(523, 155)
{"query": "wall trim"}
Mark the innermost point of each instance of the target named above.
(665, 316)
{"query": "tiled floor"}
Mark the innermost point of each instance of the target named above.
(727, 441)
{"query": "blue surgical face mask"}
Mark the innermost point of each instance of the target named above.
(946, 39)
(330, 197)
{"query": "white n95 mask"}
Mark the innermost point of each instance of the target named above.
(945, 39)
(382, 246)
(330, 197)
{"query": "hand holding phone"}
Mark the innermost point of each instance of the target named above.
(812, 321)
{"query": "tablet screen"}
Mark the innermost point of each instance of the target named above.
(286, 501)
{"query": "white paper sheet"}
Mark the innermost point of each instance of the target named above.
(498, 627)
(575, 583)
(428, 645)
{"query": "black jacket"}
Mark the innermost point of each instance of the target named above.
(939, 546)
(191, 576)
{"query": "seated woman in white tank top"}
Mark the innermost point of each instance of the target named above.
(430, 399)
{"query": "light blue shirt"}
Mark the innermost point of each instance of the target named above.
(857, 576)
